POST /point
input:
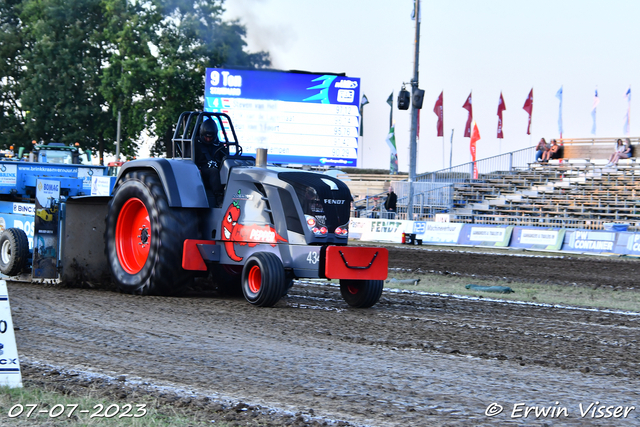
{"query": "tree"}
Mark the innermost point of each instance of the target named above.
(69, 67)
(61, 86)
(12, 44)
(193, 38)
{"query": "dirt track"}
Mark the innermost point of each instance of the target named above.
(410, 361)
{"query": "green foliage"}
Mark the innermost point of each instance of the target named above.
(69, 66)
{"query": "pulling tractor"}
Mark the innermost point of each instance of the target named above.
(267, 227)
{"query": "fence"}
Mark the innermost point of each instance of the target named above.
(433, 191)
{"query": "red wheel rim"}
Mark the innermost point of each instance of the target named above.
(133, 236)
(353, 289)
(255, 279)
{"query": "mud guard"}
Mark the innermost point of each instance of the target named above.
(186, 192)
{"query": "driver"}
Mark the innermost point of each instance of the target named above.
(209, 155)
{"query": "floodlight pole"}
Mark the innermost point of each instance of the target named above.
(413, 146)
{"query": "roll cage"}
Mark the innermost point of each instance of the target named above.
(187, 132)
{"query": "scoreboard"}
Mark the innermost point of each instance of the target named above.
(301, 118)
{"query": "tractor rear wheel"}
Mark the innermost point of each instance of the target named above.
(14, 251)
(361, 293)
(144, 237)
(263, 279)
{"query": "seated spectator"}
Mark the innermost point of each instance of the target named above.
(623, 151)
(552, 153)
(541, 149)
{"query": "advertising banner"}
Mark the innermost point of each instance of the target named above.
(45, 251)
(537, 238)
(590, 241)
(378, 230)
(18, 215)
(437, 232)
(486, 235)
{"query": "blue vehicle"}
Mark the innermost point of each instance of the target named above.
(21, 219)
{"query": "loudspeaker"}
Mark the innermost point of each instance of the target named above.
(403, 100)
(418, 97)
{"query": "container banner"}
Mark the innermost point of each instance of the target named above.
(589, 241)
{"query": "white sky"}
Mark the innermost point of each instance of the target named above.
(465, 45)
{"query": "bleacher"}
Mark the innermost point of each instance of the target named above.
(577, 192)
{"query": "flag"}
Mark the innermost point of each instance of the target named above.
(364, 101)
(475, 137)
(391, 140)
(559, 96)
(440, 113)
(413, 12)
(501, 108)
(528, 107)
(467, 106)
(626, 128)
(596, 101)
(390, 102)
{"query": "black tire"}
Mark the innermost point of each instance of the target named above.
(160, 272)
(361, 293)
(288, 283)
(14, 251)
(263, 279)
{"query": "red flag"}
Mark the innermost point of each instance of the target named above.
(528, 107)
(467, 106)
(501, 108)
(475, 137)
(440, 113)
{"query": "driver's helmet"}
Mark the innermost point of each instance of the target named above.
(209, 132)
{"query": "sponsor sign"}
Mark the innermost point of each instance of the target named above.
(590, 241)
(45, 250)
(479, 235)
(437, 232)
(537, 238)
(378, 230)
(10, 374)
(87, 175)
(101, 185)
(8, 174)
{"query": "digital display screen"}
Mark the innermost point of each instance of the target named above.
(309, 119)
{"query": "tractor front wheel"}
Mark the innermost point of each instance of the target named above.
(361, 293)
(263, 279)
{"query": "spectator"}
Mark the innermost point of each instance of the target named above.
(623, 151)
(552, 153)
(541, 149)
(390, 203)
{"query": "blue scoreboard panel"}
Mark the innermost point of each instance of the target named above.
(309, 119)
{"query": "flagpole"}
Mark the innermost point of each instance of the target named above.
(451, 151)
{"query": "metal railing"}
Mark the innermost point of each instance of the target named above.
(491, 167)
